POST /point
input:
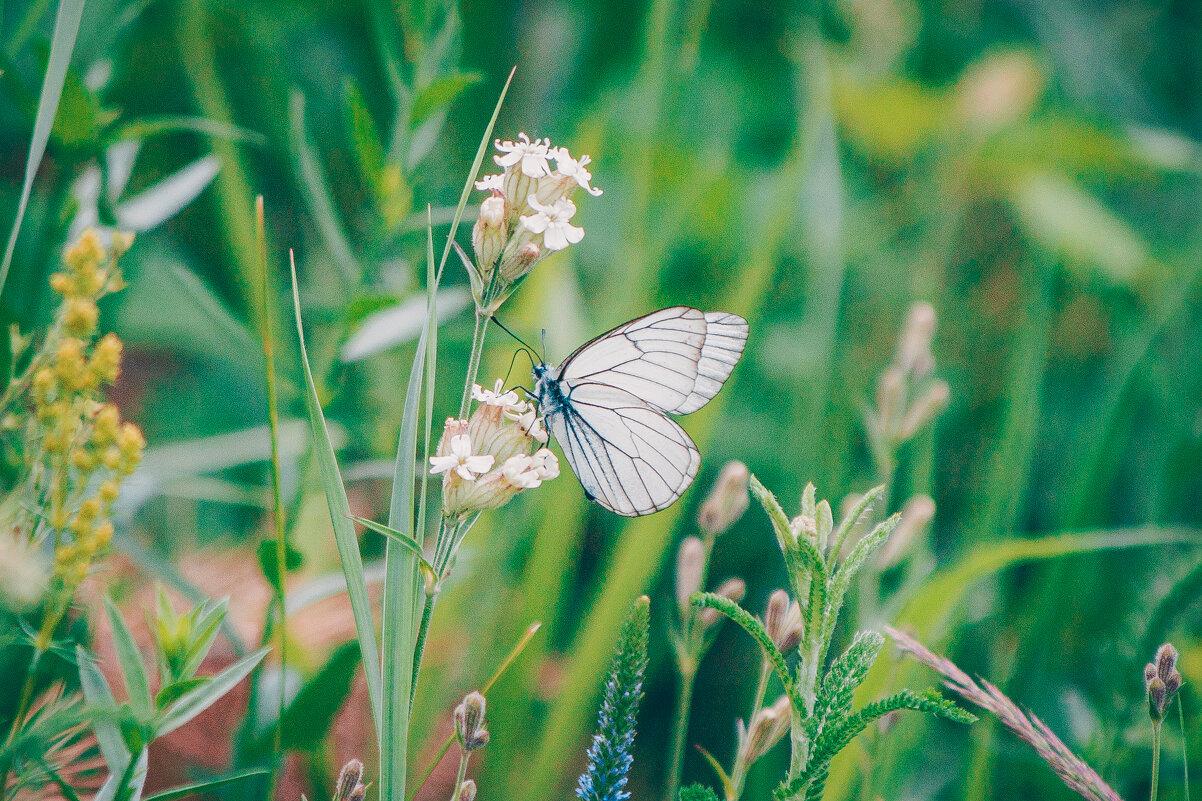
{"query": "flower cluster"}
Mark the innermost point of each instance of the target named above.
(1162, 680)
(81, 450)
(526, 216)
(908, 395)
(487, 459)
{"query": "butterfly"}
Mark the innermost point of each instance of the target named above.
(608, 403)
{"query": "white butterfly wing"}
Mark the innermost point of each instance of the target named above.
(675, 359)
(629, 457)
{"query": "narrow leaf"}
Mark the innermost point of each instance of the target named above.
(202, 788)
(344, 530)
(198, 700)
(62, 43)
(100, 698)
(404, 540)
(132, 666)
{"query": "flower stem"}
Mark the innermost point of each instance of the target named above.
(473, 364)
(461, 775)
(1184, 746)
(1155, 758)
(680, 728)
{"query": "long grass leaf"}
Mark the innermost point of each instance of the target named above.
(66, 29)
(206, 787)
(344, 530)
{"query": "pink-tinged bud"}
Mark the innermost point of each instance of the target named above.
(690, 566)
(519, 259)
(914, 346)
(732, 589)
(925, 409)
(469, 722)
(349, 778)
(999, 90)
(916, 515)
(782, 621)
(766, 730)
(890, 397)
(467, 791)
(727, 501)
(490, 234)
(1166, 660)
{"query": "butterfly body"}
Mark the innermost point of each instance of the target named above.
(608, 404)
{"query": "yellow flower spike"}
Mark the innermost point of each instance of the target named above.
(109, 491)
(130, 441)
(104, 428)
(111, 458)
(103, 535)
(62, 283)
(106, 358)
(81, 316)
(87, 250)
(43, 383)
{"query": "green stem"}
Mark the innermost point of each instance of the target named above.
(1184, 746)
(680, 728)
(461, 775)
(1155, 758)
(473, 365)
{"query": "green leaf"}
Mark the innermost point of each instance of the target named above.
(293, 559)
(308, 719)
(404, 540)
(132, 667)
(711, 600)
(197, 700)
(846, 572)
(62, 43)
(344, 529)
(698, 792)
(100, 698)
(205, 787)
(440, 94)
(170, 693)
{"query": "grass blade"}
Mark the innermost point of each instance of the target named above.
(344, 530)
(66, 28)
(203, 788)
(98, 695)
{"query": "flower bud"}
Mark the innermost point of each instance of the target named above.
(349, 778)
(1166, 660)
(727, 501)
(490, 234)
(519, 258)
(690, 565)
(467, 790)
(766, 729)
(106, 358)
(732, 589)
(890, 397)
(80, 316)
(782, 621)
(916, 515)
(469, 722)
(804, 526)
(1162, 681)
(914, 345)
(928, 406)
(495, 435)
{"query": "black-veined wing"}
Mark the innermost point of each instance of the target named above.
(675, 359)
(629, 457)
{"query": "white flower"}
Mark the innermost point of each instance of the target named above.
(460, 460)
(529, 420)
(492, 183)
(496, 397)
(554, 223)
(544, 464)
(519, 472)
(532, 155)
(575, 169)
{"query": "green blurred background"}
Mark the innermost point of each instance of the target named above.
(1029, 167)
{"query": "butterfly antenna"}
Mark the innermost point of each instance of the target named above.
(516, 338)
(544, 344)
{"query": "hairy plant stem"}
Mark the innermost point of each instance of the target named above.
(460, 775)
(1155, 758)
(738, 771)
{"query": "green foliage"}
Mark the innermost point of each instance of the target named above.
(612, 751)
(697, 792)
